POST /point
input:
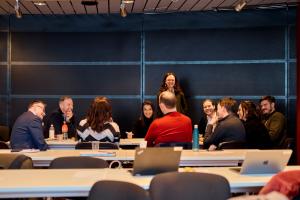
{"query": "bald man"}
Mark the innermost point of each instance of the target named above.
(172, 127)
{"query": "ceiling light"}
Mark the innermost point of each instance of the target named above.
(89, 3)
(18, 10)
(238, 7)
(123, 11)
(39, 3)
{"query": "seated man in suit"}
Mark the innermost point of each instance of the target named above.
(228, 126)
(172, 127)
(27, 132)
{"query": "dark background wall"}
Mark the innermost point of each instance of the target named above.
(215, 54)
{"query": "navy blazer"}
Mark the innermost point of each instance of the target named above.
(27, 133)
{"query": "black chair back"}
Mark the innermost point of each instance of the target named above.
(102, 145)
(3, 145)
(117, 190)
(15, 161)
(184, 145)
(189, 186)
(4, 133)
(77, 162)
(233, 145)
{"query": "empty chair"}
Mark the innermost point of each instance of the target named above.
(189, 186)
(15, 161)
(77, 162)
(184, 145)
(117, 190)
(4, 133)
(232, 145)
(3, 145)
(102, 145)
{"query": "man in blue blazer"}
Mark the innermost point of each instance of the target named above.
(27, 132)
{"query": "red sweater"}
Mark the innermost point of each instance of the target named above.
(173, 127)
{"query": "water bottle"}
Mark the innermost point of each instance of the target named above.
(51, 132)
(195, 138)
(64, 130)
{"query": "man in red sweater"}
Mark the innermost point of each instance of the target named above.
(172, 127)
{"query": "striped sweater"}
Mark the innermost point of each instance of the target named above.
(111, 132)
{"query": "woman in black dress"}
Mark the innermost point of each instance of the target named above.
(257, 136)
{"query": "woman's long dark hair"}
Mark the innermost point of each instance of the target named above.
(143, 117)
(250, 107)
(164, 86)
(100, 111)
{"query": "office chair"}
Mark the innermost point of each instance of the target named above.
(15, 161)
(232, 145)
(102, 145)
(117, 190)
(3, 145)
(189, 186)
(76, 162)
(184, 145)
(4, 133)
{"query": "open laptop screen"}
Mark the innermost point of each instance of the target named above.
(151, 161)
(265, 161)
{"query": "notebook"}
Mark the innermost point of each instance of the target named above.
(265, 161)
(151, 161)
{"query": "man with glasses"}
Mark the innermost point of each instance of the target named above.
(27, 132)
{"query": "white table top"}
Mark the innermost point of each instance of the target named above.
(70, 144)
(77, 182)
(188, 157)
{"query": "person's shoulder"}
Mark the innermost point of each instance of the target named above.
(83, 122)
(115, 126)
(278, 115)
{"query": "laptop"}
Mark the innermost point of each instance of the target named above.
(155, 160)
(264, 161)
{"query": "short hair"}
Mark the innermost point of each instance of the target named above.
(229, 104)
(63, 98)
(270, 99)
(168, 98)
(32, 103)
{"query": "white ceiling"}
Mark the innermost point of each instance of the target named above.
(66, 7)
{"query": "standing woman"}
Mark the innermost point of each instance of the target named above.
(98, 125)
(141, 126)
(257, 136)
(171, 83)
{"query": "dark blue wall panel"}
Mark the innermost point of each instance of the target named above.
(292, 78)
(292, 41)
(115, 46)
(76, 80)
(215, 44)
(227, 80)
(3, 79)
(3, 46)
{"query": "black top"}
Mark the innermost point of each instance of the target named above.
(140, 129)
(202, 125)
(57, 119)
(257, 136)
(230, 128)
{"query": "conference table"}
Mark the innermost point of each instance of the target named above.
(70, 144)
(77, 182)
(188, 157)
